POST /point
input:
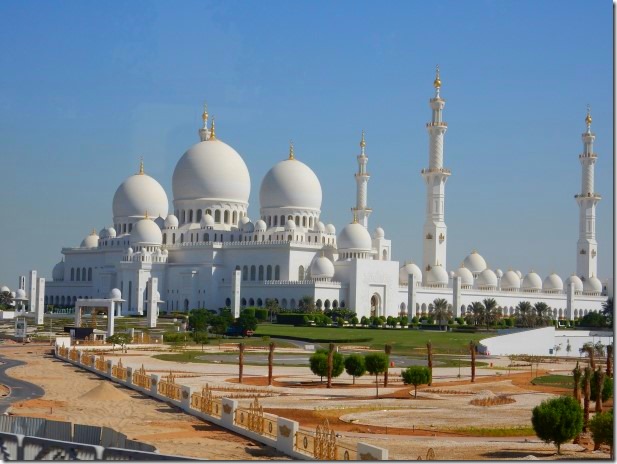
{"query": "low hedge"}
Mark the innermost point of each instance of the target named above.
(325, 340)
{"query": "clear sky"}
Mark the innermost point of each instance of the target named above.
(86, 88)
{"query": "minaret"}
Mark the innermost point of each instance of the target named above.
(435, 177)
(203, 131)
(587, 247)
(362, 177)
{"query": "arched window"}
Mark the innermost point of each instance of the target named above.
(303, 221)
(301, 273)
(292, 303)
(217, 216)
(245, 273)
(251, 302)
(243, 302)
(282, 221)
(164, 239)
(385, 255)
(78, 275)
(130, 228)
(228, 302)
(269, 221)
(89, 274)
(290, 237)
(261, 273)
(298, 221)
(209, 211)
(335, 304)
(253, 272)
(342, 303)
(284, 303)
(215, 237)
(276, 221)
(72, 274)
(318, 304)
(269, 272)
(260, 303)
(327, 304)
(181, 238)
(226, 217)
(191, 215)
(277, 272)
(311, 222)
(234, 218)
(183, 216)
(173, 238)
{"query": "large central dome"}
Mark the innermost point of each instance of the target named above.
(211, 170)
(290, 184)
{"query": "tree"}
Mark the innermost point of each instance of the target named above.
(586, 395)
(490, 312)
(601, 427)
(557, 420)
(354, 321)
(387, 351)
(272, 305)
(475, 313)
(199, 319)
(201, 338)
(588, 349)
(240, 361)
(319, 364)
(364, 320)
(270, 361)
(416, 375)
(598, 382)
(6, 300)
(472, 351)
(376, 363)
(609, 360)
(542, 310)
(525, 315)
(568, 347)
(121, 339)
(354, 366)
(429, 362)
(606, 389)
(607, 310)
(440, 311)
(331, 349)
(307, 304)
(246, 321)
(594, 319)
(577, 374)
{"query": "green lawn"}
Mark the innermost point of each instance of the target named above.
(562, 381)
(403, 341)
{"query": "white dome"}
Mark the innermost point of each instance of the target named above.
(260, 225)
(409, 268)
(576, 282)
(532, 281)
(146, 232)
(354, 236)
(115, 294)
(111, 232)
(244, 220)
(475, 262)
(129, 250)
(103, 233)
(592, 285)
(290, 225)
(211, 170)
(171, 221)
(437, 276)
(20, 294)
(379, 233)
(322, 268)
(290, 184)
(510, 281)
(139, 194)
(248, 226)
(330, 229)
(4, 288)
(519, 274)
(552, 283)
(499, 273)
(465, 275)
(91, 241)
(487, 279)
(321, 227)
(57, 274)
(207, 221)
(452, 274)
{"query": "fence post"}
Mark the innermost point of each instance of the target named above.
(129, 376)
(154, 385)
(185, 397)
(368, 452)
(229, 412)
(109, 366)
(286, 435)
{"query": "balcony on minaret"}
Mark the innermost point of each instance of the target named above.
(441, 170)
(587, 155)
(590, 195)
(437, 124)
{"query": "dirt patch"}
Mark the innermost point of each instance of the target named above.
(105, 392)
(4, 390)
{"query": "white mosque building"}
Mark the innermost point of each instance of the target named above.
(197, 253)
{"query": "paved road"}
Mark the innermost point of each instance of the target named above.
(20, 390)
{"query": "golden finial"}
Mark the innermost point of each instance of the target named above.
(212, 131)
(588, 118)
(291, 150)
(93, 231)
(355, 216)
(362, 142)
(437, 81)
(204, 115)
(141, 165)
(146, 215)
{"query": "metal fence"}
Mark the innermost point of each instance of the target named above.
(169, 388)
(142, 379)
(119, 371)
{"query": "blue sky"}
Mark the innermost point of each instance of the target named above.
(87, 88)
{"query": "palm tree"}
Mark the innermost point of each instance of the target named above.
(306, 304)
(5, 299)
(477, 311)
(607, 310)
(441, 311)
(272, 305)
(526, 316)
(542, 310)
(490, 311)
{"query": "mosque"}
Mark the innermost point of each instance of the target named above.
(209, 253)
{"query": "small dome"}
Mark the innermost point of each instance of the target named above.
(354, 236)
(129, 251)
(159, 221)
(111, 232)
(171, 221)
(57, 274)
(475, 262)
(452, 274)
(465, 275)
(592, 285)
(519, 274)
(290, 225)
(532, 282)
(486, 279)
(91, 241)
(499, 273)
(576, 282)
(409, 268)
(207, 221)
(320, 227)
(165, 252)
(139, 194)
(330, 229)
(379, 233)
(437, 277)
(244, 220)
(322, 268)
(248, 227)
(290, 184)
(103, 233)
(552, 283)
(20, 294)
(146, 232)
(115, 294)
(510, 281)
(4, 288)
(260, 225)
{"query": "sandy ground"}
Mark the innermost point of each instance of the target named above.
(407, 427)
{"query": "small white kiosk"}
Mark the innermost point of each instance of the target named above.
(105, 306)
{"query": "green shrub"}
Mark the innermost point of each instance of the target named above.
(416, 375)
(172, 337)
(354, 320)
(415, 319)
(508, 322)
(261, 314)
(354, 366)
(557, 420)
(601, 427)
(319, 363)
(291, 318)
(250, 311)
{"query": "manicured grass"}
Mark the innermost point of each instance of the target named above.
(562, 381)
(403, 341)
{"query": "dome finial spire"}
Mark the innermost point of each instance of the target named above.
(355, 216)
(362, 142)
(141, 165)
(204, 115)
(212, 130)
(291, 150)
(588, 117)
(437, 81)
(146, 215)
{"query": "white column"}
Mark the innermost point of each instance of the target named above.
(111, 314)
(236, 278)
(22, 283)
(570, 302)
(456, 296)
(39, 311)
(32, 295)
(411, 297)
(153, 302)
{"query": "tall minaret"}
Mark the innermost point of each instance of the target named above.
(362, 177)
(587, 247)
(435, 177)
